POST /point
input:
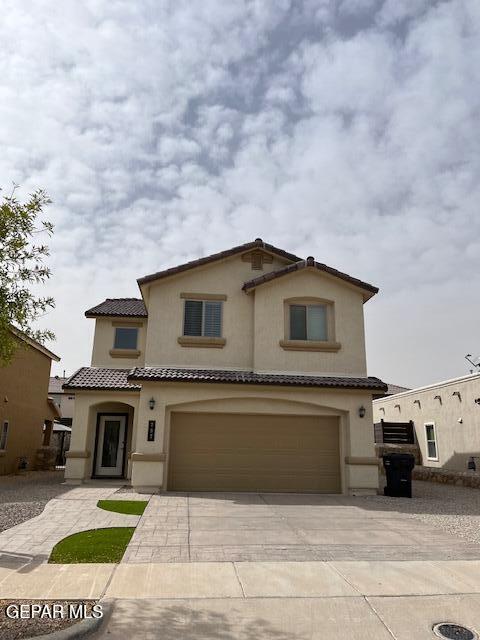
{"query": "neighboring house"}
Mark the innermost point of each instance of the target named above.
(241, 371)
(63, 399)
(60, 441)
(26, 411)
(445, 417)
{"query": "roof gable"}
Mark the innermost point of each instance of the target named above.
(368, 289)
(34, 344)
(243, 248)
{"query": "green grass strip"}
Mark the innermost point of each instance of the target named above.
(96, 545)
(130, 507)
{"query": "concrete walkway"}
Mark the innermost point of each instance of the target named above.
(74, 511)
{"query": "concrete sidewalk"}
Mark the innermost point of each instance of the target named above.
(272, 600)
(200, 580)
(293, 600)
(337, 618)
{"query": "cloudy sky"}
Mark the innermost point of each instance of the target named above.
(344, 129)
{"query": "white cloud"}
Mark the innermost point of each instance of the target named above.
(166, 131)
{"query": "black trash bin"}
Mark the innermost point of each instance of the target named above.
(398, 469)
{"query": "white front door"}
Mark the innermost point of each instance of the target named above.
(110, 445)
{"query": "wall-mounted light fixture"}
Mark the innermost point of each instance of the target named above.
(439, 398)
(477, 400)
(362, 411)
(457, 393)
(151, 403)
(418, 402)
(396, 406)
(382, 409)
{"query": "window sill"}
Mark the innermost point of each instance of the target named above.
(201, 341)
(124, 353)
(309, 345)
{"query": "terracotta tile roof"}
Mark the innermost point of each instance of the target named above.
(124, 307)
(248, 377)
(303, 264)
(256, 244)
(392, 389)
(93, 378)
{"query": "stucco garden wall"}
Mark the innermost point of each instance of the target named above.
(451, 406)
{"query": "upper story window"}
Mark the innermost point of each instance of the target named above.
(308, 322)
(126, 338)
(3, 436)
(203, 318)
(431, 437)
(309, 325)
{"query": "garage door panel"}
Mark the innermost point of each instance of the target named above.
(232, 452)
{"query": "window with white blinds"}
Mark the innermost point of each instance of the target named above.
(308, 322)
(203, 318)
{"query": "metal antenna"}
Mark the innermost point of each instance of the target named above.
(475, 362)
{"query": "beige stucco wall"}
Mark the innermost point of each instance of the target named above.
(270, 325)
(166, 308)
(66, 402)
(104, 338)
(456, 441)
(254, 323)
(356, 438)
(23, 403)
(149, 473)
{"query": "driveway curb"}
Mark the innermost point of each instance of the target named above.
(82, 629)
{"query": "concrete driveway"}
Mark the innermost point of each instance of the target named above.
(226, 527)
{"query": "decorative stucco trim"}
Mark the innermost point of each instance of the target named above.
(203, 296)
(77, 454)
(309, 345)
(124, 353)
(148, 457)
(201, 341)
(359, 460)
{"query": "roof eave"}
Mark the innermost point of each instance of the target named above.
(367, 289)
(34, 344)
(222, 255)
(114, 315)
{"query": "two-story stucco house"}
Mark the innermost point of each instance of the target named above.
(241, 371)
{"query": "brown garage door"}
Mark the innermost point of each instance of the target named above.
(239, 452)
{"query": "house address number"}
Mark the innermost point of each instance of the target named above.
(151, 431)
